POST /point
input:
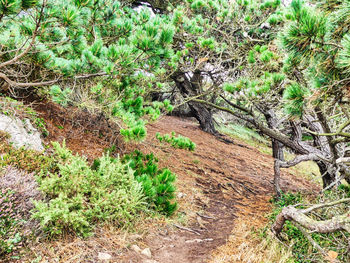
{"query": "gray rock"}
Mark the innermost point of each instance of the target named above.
(22, 133)
(104, 256)
(147, 252)
(136, 248)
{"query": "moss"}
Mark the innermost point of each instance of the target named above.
(28, 160)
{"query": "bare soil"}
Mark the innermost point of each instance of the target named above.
(219, 182)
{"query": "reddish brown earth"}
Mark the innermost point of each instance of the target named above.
(222, 181)
(217, 183)
(84, 133)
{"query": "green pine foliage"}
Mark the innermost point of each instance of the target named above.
(295, 97)
(158, 184)
(179, 141)
(316, 42)
(90, 43)
(80, 196)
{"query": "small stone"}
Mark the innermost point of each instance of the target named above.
(199, 240)
(136, 248)
(135, 237)
(104, 256)
(181, 195)
(150, 261)
(147, 252)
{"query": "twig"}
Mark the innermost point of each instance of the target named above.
(313, 242)
(187, 229)
(204, 216)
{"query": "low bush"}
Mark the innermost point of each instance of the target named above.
(10, 236)
(158, 184)
(81, 196)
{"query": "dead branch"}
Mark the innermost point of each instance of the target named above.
(337, 223)
(187, 229)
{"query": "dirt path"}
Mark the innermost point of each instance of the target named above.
(218, 181)
(217, 184)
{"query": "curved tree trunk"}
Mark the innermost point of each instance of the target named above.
(327, 176)
(190, 87)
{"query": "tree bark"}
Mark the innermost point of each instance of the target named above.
(327, 176)
(337, 223)
(189, 88)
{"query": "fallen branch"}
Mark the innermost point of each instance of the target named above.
(337, 223)
(204, 216)
(313, 242)
(187, 229)
(318, 206)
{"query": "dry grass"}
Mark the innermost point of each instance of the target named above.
(106, 239)
(244, 246)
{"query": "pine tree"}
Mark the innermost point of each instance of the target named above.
(75, 43)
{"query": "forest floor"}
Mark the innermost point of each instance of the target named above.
(223, 191)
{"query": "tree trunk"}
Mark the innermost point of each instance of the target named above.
(189, 88)
(328, 177)
(277, 151)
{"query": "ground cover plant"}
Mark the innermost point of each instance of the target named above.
(10, 235)
(80, 197)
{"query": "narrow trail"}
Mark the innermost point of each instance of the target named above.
(220, 181)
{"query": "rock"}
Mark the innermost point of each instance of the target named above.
(104, 256)
(199, 240)
(136, 248)
(22, 133)
(147, 252)
(135, 237)
(180, 195)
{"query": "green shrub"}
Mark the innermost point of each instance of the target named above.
(158, 184)
(9, 222)
(81, 196)
(180, 142)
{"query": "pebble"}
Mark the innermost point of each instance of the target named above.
(136, 248)
(146, 252)
(104, 256)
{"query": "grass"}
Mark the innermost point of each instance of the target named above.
(247, 135)
(307, 170)
(246, 246)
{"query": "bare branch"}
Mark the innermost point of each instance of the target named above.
(16, 58)
(337, 223)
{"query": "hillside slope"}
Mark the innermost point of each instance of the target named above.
(222, 182)
(220, 185)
